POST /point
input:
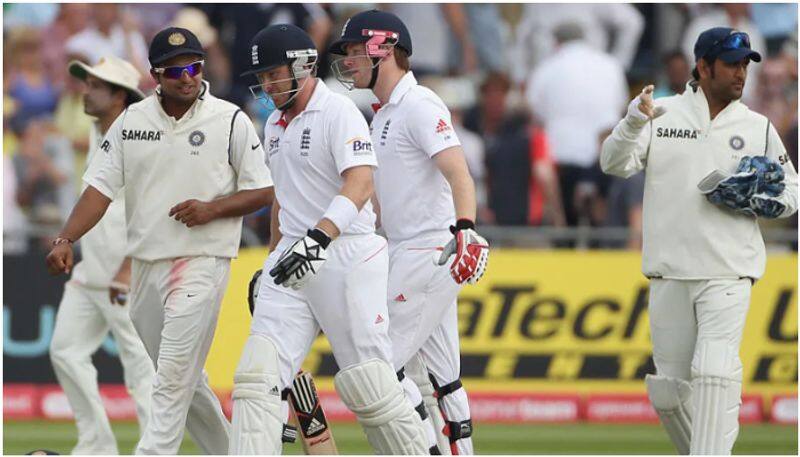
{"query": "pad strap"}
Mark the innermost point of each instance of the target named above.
(446, 389)
(285, 393)
(420, 408)
(401, 374)
(457, 430)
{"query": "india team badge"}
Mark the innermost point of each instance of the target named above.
(197, 138)
(736, 142)
(176, 39)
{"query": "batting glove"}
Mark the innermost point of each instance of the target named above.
(471, 251)
(252, 290)
(735, 191)
(769, 172)
(301, 260)
(766, 206)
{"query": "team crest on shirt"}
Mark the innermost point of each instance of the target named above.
(361, 146)
(736, 142)
(197, 138)
(305, 142)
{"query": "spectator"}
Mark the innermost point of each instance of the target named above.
(71, 120)
(516, 159)
(28, 14)
(44, 167)
(575, 109)
(486, 32)
(238, 25)
(677, 73)
(114, 32)
(72, 19)
(26, 80)
(776, 22)
(774, 95)
(598, 22)
(432, 56)
(737, 16)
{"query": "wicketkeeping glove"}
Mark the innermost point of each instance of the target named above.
(252, 290)
(735, 191)
(301, 260)
(769, 172)
(471, 251)
(766, 206)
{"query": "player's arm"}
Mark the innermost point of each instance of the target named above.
(121, 284)
(347, 134)
(93, 203)
(274, 225)
(453, 166)
(253, 181)
(624, 152)
(785, 204)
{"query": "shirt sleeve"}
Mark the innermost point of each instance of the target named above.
(110, 177)
(246, 155)
(776, 151)
(349, 140)
(431, 128)
(624, 152)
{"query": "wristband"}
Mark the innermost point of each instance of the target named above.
(61, 240)
(462, 224)
(342, 211)
(320, 237)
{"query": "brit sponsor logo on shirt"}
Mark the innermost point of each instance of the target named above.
(361, 146)
(141, 135)
(664, 132)
(305, 142)
(274, 142)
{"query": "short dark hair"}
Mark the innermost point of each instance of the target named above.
(401, 57)
(696, 74)
(130, 98)
(496, 79)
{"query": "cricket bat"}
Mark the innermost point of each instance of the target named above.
(315, 433)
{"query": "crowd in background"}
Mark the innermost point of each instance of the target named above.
(533, 88)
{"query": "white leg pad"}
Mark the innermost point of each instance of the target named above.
(416, 370)
(716, 397)
(372, 392)
(671, 398)
(256, 424)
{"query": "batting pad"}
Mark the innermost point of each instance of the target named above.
(716, 397)
(256, 424)
(418, 372)
(372, 392)
(671, 398)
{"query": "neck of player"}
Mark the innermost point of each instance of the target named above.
(388, 78)
(715, 103)
(175, 107)
(302, 98)
(107, 119)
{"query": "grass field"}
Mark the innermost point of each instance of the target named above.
(21, 437)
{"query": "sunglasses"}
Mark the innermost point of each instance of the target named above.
(736, 40)
(193, 69)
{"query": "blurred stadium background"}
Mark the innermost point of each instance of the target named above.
(555, 337)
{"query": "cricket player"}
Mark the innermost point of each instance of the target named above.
(191, 165)
(94, 298)
(713, 167)
(422, 186)
(328, 271)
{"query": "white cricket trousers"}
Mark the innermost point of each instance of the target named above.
(174, 307)
(696, 330)
(84, 318)
(346, 300)
(423, 312)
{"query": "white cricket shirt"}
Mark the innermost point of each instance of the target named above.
(213, 151)
(103, 247)
(308, 155)
(407, 132)
(685, 236)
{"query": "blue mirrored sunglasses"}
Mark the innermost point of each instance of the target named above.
(177, 71)
(737, 40)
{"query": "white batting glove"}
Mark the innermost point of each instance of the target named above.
(471, 253)
(642, 109)
(301, 260)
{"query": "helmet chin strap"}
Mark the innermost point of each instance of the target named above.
(374, 78)
(290, 102)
